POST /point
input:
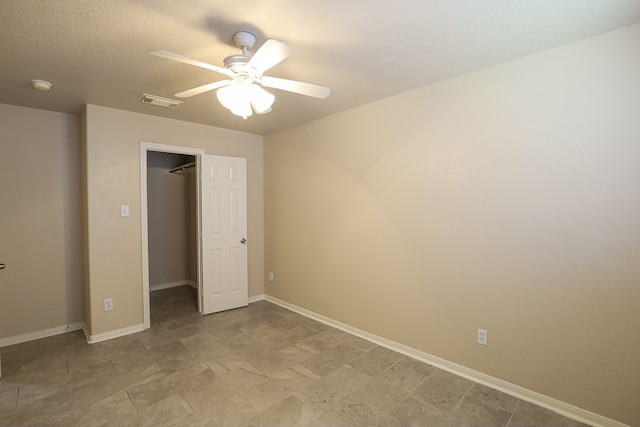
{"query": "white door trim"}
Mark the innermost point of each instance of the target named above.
(144, 148)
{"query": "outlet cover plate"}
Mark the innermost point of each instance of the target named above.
(482, 337)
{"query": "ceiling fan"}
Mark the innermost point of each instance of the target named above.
(242, 93)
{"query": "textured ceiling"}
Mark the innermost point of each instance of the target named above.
(97, 51)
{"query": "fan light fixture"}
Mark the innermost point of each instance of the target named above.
(240, 97)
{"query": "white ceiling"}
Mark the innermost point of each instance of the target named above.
(97, 51)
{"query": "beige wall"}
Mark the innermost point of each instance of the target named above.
(113, 169)
(171, 218)
(40, 211)
(507, 199)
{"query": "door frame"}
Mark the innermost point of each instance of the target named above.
(144, 216)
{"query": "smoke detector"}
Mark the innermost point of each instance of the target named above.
(41, 84)
(159, 101)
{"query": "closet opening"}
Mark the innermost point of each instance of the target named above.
(172, 227)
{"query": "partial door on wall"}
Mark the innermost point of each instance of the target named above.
(223, 190)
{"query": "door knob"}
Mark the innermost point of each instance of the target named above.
(243, 241)
(1, 266)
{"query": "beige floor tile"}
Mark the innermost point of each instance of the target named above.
(110, 410)
(473, 412)
(250, 336)
(182, 321)
(495, 397)
(442, 390)
(9, 399)
(33, 369)
(332, 388)
(360, 343)
(376, 360)
(292, 337)
(412, 413)
(402, 377)
(202, 396)
(380, 395)
(143, 357)
(156, 390)
(278, 361)
(6, 385)
(36, 391)
(86, 356)
(182, 358)
(287, 322)
(331, 359)
(416, 366)
(168, 412)
(230, 412)
(202, 342)
(80, 397)
(290, 412)
(323, 341)
(242, 375)
(529, 415)
(250, 351)
(304, 371)
(353, 413)
(275, 389)
(318, 326)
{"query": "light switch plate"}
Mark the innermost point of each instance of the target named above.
(124, 210)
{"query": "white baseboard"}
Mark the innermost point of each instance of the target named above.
(92, 339)
(161, 286)
(30, 336)
(522, 393)
(256, 298)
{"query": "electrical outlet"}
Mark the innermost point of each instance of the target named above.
(108, 304)
(270, 277)
(482, 337)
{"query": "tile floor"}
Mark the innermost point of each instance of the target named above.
(261, 365)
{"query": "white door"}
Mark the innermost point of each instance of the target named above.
(224, 233)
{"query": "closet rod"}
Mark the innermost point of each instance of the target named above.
(182, 167)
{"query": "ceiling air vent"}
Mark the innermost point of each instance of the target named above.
(159, 101)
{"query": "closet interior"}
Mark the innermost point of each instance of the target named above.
(172, 231)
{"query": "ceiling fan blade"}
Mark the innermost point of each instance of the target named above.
(186, 60)
(272, 52)
(202, 89)
(308, 89)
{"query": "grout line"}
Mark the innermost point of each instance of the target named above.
(187, 402)
(419, 384)
(130, 400)
(17, 397)
(459, 404)
(513, 413)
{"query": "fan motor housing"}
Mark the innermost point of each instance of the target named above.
(236, 61)
(239, 65)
